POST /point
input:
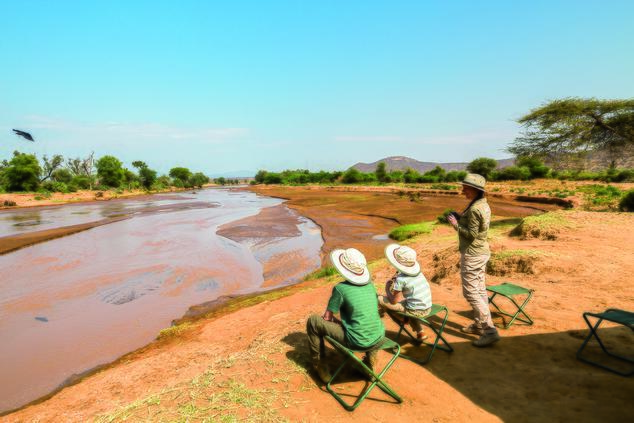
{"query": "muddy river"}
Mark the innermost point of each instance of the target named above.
(73, 303)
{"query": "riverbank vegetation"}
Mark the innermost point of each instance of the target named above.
(25, 173)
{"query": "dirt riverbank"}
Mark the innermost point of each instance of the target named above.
(249, 361)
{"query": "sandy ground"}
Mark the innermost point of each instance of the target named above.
(249, 361)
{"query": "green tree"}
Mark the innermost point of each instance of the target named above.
(381, 173)
(482, 166)
(574, 125)
(535, 165)
(352, 176)
(198, 179)
(62, 175)
(147, 176)
(22, 172)
(259, 177)
(181, 173)
(110, 171)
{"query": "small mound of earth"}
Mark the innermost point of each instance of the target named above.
(502, 265)
(445, 262)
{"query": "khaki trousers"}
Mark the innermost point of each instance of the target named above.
(472, 273)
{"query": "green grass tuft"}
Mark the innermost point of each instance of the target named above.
(409, 231)
(321, 273)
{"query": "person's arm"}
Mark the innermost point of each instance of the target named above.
(397, 297)
(471, 231)
(397, 291)
(329, 316)
(334, 304)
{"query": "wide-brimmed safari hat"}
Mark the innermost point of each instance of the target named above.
(351, 264)
(474, 181)
(403, 258)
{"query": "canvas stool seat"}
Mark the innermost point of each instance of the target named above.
(509, 291)
(376, 379)
(401, 319)
(621, 317)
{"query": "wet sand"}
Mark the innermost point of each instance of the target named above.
(362, 217)
(14, 242)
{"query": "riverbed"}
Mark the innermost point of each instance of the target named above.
(72, 303)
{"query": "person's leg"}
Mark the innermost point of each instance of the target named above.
(415, 323)
(473, 271)
(384, 302)
(472, 275)
(317, 328)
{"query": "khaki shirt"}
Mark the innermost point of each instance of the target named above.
(473, 227)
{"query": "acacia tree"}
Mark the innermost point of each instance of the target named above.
(576, 125)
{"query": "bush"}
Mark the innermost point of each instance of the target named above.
(513, 173)
(9, 203)
(22, 173)
(455, 176)
(81, 181)
(52, 186)
(627, 202)
(62, 175)
(352, 176)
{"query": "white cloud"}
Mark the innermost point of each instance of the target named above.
(136, 131)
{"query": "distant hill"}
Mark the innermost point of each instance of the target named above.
(402, 163)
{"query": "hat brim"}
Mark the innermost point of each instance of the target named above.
(408, 270)
(353, 278)
(473, 186)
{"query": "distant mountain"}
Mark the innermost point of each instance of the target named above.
(402, 163)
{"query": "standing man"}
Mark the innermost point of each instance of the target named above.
(355, 300)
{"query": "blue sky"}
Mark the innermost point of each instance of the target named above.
(244, 85)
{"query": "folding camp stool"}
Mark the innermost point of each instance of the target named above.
(510, 290)
(403, 319)
(375, 378)
(622, 317)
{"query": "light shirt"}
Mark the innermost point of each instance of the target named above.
(415, 289)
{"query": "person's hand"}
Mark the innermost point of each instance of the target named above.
(452, 221)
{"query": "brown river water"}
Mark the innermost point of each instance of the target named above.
(72, 303)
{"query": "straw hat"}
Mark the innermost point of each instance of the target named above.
(474, 181)
(351, 264)
(403, 258)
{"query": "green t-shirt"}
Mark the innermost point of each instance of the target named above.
(358, 307)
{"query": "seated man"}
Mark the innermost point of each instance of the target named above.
(408, 291)
(355, 300)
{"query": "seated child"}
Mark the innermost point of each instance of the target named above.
(408, 291)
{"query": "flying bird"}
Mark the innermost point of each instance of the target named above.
(23, 134)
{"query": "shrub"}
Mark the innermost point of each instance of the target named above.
(9, 203)
(444, 187)
(514, 173)
(321, 273)
(52, 186)
(627, 202)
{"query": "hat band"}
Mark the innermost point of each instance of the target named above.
(400, 260)
(355, 270)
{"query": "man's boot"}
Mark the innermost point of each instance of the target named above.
(322, 371)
